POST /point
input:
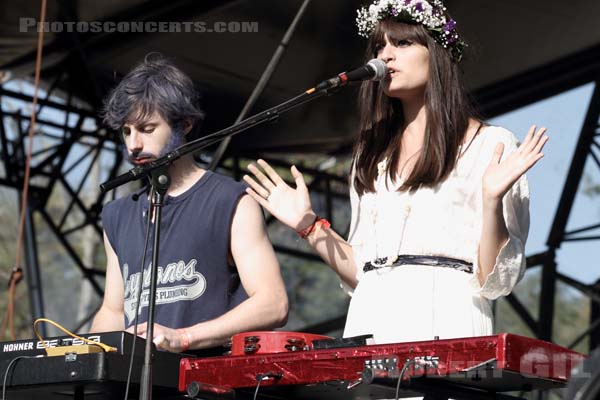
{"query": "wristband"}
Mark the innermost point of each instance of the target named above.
(184, 337)
(317, 224)
(321, 223)
(306, 231)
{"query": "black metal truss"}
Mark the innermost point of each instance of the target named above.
(587, 149)
(63, 156)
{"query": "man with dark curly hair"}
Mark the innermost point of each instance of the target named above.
(217, 273)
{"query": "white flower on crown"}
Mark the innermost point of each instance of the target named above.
(420, 11)
(431, 14)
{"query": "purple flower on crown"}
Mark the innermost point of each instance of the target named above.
(407, 2)
(419, 7)
(394, 11)
(450, 26)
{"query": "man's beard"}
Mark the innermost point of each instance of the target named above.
(176, 140)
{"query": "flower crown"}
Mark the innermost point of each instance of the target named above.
(429, 13)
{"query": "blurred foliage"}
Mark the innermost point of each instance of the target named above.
(62, 281)
(591, 188)
(8, 244)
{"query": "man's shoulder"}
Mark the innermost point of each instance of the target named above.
(229, 191)
(226, 180)
(124, 201)
(225, 185)
(117, 207)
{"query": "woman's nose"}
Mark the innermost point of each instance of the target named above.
(386, 53)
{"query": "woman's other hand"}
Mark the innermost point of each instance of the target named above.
(500, 176)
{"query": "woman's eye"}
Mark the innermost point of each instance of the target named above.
(378, 49)
(125, 131)
(403, 43)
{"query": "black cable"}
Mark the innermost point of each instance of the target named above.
(10, 364)
(259, 380)
(407, 364)
(139, 295)
(264, 377)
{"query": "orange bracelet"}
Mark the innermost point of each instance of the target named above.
(317, 224)
(184, 336)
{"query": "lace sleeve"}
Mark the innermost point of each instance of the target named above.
(510, 263)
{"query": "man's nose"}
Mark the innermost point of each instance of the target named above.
(134, 142)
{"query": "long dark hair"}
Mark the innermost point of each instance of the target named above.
(381, 117)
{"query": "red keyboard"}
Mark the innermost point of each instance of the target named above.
(487, 364)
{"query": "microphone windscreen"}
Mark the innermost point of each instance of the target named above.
(379, 67)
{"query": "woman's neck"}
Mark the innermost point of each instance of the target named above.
(415, 119)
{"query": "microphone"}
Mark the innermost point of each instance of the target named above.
(374, 70)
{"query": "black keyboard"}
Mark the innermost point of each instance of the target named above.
(81, 376)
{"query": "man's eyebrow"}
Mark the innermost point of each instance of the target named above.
(151, 124)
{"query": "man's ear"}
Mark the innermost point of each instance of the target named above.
(187, 127)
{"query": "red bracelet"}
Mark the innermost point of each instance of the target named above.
(317, 224)
(184, 336)
(306, 231)
(322, 223)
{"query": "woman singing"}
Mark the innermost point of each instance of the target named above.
(439, 198)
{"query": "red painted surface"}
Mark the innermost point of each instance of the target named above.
(529, 357)
(272, 342)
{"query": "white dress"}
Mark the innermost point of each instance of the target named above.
(417, 302)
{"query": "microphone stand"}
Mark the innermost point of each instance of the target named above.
(269, 115)
(160, 181)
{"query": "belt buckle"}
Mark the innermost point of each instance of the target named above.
(391, 260)
(380, 262)
(384, 261)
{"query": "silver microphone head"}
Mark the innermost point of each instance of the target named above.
(379, 67)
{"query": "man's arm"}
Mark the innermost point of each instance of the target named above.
(266, 306)
(110, 316)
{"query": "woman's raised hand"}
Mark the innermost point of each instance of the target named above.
(500, 176)
(290, 206)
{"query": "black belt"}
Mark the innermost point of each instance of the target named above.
(406, 259)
